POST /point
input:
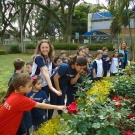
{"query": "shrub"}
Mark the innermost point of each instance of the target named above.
(30, 46)
(14, 49)
(92, 47)
(3, 52)
(70, 46)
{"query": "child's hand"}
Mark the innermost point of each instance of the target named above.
(31, 97)
(44, 101)
(61, 108)
(107, 59)
(95, 76)
(24, 134)
(59, 93)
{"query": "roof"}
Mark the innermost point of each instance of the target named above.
(94, 32)
(101, 15)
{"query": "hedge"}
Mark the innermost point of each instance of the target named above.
(3, 52)
(69, 46)
(30, 46)
(14, 49)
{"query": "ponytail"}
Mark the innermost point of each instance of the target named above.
(72, 59)
(9, 91)
(79, 60)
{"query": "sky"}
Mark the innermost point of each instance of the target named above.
(95, 1)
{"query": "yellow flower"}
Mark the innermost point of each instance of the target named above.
(101, 89)
(50, 127)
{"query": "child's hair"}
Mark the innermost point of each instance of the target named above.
(62, 51)
(104, 48)
(18, 64)
(88, 56)
(121, 45)
(38, 51)
(86, 46)
(80, 60)
(29, 63)
(99, 52)
(80, 48)
(56, 59)
(116, 50)
(35, 79)
(20, 79)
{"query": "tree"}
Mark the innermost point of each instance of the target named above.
(22, 17)
(66, 8)
(7, 15)
(80, 17)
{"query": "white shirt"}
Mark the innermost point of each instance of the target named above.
(49, 68)
(114, 65)
(99, 67)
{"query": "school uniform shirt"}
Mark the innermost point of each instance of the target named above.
(12, 77)
(114, 65)
(11, 112)
(40, 62)
(105, 63)
(91, 71)
(121, 64)
(38, 97)
(66, 72)
(63, 59)
(98, 66)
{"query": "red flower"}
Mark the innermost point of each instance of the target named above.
(127, 133)
(72, 108)
(109, 118)
(128, 73)
(130, 116)
(119, 106)
(85, 73)
(116, 99)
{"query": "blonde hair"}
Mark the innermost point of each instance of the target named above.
(120, 46)
(51, 52)
(62, 51)
(99, 52)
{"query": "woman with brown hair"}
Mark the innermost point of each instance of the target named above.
(43, 65)
(123, 50)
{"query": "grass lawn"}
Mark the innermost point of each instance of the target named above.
(7, 69)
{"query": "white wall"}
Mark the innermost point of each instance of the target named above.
(103, 23)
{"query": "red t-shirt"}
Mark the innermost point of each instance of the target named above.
(11, 112)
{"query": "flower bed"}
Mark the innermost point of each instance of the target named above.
(101, 109)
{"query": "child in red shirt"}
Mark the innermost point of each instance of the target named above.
(15, 103)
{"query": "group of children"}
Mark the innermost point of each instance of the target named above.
(51, 78)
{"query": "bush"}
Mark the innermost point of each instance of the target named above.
(3, 52)
(14, 49)
(30, 46)
(92, 47)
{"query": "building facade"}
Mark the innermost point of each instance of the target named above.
(101, 21)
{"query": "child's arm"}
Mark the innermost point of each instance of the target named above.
(75, 79)
(56, 81)
(94, 73)
(48, 106)
(47, 78)
(94, 69)
(102, 72)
